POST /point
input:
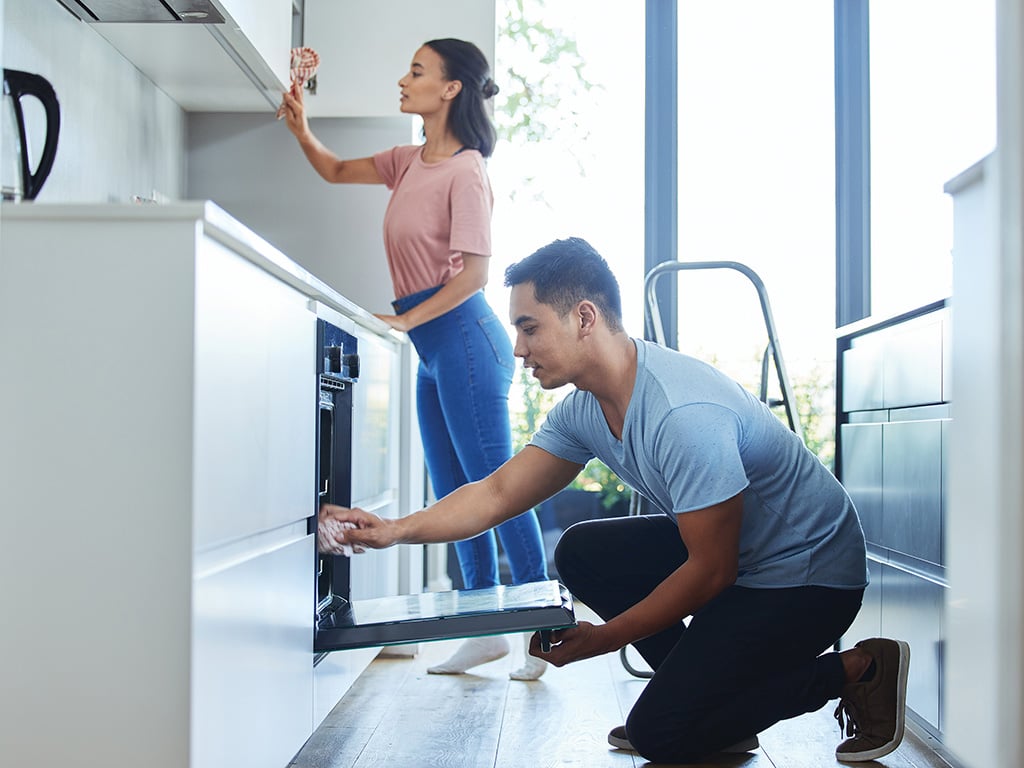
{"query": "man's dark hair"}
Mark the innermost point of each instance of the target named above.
(566, 272)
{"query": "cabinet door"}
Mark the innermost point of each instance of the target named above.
(913, 610)
(255, 406)
(861, 473)
(267, 27)
(377, 40)
(912, 501)
(252, 660)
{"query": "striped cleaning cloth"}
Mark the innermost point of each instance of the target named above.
(304, 64)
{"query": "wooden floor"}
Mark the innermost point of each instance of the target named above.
(398, 715)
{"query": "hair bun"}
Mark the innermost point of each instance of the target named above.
(489, 88)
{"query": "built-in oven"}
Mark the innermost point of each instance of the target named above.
(342, 623)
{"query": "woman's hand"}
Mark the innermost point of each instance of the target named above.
(573, 644)
(340, 529)
(295, 111)
(398, 322)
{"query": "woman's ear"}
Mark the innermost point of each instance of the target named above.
(451, 89)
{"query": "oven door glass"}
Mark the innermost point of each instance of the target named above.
(540, 606)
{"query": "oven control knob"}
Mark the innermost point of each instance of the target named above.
(333, 359)
(351, 362)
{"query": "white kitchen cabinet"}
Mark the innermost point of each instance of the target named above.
(366, 47)
(240, 65)
(157, 473)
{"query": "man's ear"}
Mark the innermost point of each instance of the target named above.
(587, 314)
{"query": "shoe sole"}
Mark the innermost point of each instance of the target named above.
(901, 708)
(747, 745)
(618, 743)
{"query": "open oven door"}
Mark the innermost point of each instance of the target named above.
(343, 623)
(540, 606)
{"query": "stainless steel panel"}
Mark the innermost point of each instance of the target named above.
(944, 491)
(861, 474)
(869, 621)
(201, 11)
(912, 610)
(912, 368)
(862, 374)
(947, 357)
(912, 488)
(374, 421)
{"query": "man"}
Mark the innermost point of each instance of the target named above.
(754, 539)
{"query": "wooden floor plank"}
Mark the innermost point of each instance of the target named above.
(397, 715)
(563, 720)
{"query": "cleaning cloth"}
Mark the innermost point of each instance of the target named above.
(304, 64)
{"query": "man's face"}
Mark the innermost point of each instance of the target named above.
(546, 342)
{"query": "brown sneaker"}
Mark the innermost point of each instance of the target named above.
(874, 710)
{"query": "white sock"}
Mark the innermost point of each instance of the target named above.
(473, 652)
(532, 667)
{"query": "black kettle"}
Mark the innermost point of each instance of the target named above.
(19, 181)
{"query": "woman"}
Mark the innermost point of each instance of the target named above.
(437, 237)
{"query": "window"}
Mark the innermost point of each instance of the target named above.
(932, 115)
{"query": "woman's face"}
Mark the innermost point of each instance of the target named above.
(424, 87)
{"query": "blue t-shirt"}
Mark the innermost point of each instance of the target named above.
(692, 438)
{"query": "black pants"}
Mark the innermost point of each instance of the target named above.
(748, 659)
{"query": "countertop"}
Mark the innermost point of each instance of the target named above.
(217, 224)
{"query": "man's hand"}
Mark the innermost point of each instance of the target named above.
(568, 645)
(340, 528)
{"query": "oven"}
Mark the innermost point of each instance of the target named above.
(342, 623)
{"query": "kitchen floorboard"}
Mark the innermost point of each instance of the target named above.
(397, 715)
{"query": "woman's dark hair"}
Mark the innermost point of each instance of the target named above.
(468, 117)
(566, 272)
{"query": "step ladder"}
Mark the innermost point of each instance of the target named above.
(652, 317)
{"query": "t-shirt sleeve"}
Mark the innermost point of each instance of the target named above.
(698, 449)
(392, 163)
(558, 436)
(472, 202)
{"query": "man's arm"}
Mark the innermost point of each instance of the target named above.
(711, 536)
(522, 482)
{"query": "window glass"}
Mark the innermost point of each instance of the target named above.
(757, 186)
(932, 112)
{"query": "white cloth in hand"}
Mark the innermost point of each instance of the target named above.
(326, 537)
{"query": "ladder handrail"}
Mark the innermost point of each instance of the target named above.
(654, 317)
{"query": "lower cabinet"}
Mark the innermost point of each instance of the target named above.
(913, 610)
(252, 672)
(157, 477)
(892, 458)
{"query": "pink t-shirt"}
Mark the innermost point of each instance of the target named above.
(437, 212)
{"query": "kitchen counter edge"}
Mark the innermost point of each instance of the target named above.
(220, 226)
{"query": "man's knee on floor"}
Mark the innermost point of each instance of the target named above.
(661, 741)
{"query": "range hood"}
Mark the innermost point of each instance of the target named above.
(207, 55)
(145, 11)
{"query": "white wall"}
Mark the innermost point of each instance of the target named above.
(120, 135)
(252, 167)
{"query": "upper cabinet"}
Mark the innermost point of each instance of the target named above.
(239, 64)
(365, 47)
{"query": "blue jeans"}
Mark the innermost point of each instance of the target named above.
(462, 385)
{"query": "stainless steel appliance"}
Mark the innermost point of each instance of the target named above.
(342, 623)
(20, 181)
